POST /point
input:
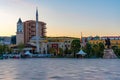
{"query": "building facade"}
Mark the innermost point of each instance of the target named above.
(20, 32)
(115, 40)
(30, 30)
(52, 43)
(26, 30)
(5, 40)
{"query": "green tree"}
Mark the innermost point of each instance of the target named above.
(88, 50)
(95, 50)
(118, 53)
(1, 49)
(98, 50)
(75, 46)
(61, 52)
(21, 46)
(101, 49)
(9, 50)
(116, 50)
(4, 49)
(53, 51)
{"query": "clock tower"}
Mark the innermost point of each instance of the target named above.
(20, 32)
(19, 26)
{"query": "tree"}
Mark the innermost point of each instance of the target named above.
(1, 49)
(101, 49)
(116, 50)
(53, 51)
(88, 49)
(61, 52)
(98, 50)
(4, 49)
(95, 50)
(75, 46)
(20, 47)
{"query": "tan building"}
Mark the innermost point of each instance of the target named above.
(113, 42)
(30, 30)
(47, 43)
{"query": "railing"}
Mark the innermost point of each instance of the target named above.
(17, 56)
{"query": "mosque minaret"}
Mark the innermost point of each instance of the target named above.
(37, 33)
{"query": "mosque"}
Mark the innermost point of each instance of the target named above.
(32, 33)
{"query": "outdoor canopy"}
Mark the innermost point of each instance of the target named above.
(28, 53)
(81, 52)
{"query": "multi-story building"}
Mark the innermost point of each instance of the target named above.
(30, 30)
(5, 40)
(115, 40)
(26, 30)
(111, 37)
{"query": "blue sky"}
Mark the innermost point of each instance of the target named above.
(64, 17)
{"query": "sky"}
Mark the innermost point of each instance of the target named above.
(63, 17)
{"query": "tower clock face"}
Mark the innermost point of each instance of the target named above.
(20, 28)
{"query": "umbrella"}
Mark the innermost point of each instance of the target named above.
(81, 52)
(28, 53)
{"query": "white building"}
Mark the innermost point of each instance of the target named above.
(56, 43)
